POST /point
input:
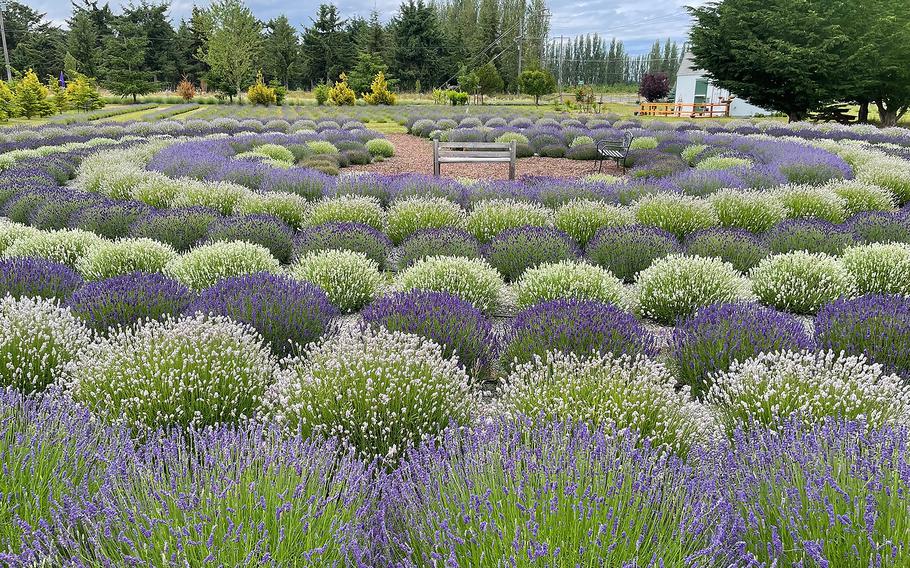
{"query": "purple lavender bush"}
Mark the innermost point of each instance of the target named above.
(513, 251)
(880, 227)
(287, 313)
(181, 228)
(456, 325)
(37, 278)
(553, 494)
(437, 242)
(575, 326)
(812, 235)
(876, 326)
(356, 237)
(720, 334)
(739, 247)
(829, 495)
(124, 301)
(109, 219)
(260, 229)
(626, 251)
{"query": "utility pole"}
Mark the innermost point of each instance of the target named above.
(559, 62)
(9, 72)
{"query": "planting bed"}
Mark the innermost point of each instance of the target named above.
(223, 344)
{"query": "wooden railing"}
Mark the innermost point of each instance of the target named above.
(688, 110)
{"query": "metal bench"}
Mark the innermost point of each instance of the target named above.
(615, 149)
(473, 152)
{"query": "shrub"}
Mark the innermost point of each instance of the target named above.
(676, 286)
(879, 268)
(180, 228)
(415, 213)
(456, 325)
(875, 326)
(582, 218)
(321, 92)
(109, 220)
(120, 257)
(185, 90)
(355, 237)
(380, 147)
(321, 147)
(791, 481)
(37, 338)
(64, 246)
(275, 152)
(264, 230)
(260, 94)
(880, 227)
(677, 214)
(188, 372)
(340, 93)
(753, 211)
(565, 280)
(583, 327)
(860, 196)
(288, 314)
(718, 335)
(437, 242)
(507, 137)
(472, 280)
(808, 387)
(740, 248)
(644, 143)
(350, 208)
(494, 216)
(810, 235)
(380, 391)
(889, 173)
(207, 264)
(37, 278)
(11, 232)
(379, 92)
(606, 390)
(807, 201)
(350, 279)
(513, 251)
(126, 300)
(714, 163)
(801, 282)
(552, 151)
(626, 251)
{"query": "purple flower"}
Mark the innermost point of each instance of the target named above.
(875, 326)
(812, 235)
(515, 250)
(289, 314)
(739, 247)
(582, 327)
(447, 241)
(456, 325)
(128, 299)
(260, 229)
(181, 228)
(718, 335)
(626, 251)
(37, 277)
(357, 237)
(880, 227)
(112, 219)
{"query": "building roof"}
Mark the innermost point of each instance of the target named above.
(687, 67)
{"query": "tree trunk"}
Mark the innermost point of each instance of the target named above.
(887, 116)
(863, 115)
(134, 98)
(537, 100)
(794, 116)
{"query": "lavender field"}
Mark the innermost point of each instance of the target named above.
(221, 346)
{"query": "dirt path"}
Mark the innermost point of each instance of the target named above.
(415, 155)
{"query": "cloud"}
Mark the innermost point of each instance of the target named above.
(634, 22)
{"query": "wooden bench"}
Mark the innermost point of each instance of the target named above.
(473, 152)
(616, 149)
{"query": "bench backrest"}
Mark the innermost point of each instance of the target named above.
(474, 149)
(616, 143)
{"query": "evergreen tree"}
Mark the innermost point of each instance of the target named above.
(419, 43)
(124, 56)
(8, 108)
(488, 80)
(537, 83)
(281, 51)
(82, 94)
(190, 42)
(368, 66)
(160, 58)
(325, 44)
(81, 43)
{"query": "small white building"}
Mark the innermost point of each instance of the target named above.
(692, 87)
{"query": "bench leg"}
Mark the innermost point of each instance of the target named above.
(511, 170)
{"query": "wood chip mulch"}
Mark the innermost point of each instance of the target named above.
(415, 155)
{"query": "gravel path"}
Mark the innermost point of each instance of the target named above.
(415, 155)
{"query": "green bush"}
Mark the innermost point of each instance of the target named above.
(65, 246)
(879, 268)
(801, 282)
(350, 208)
(676, 214)
(205, 265)
(473, 280)
(860, 196)
(676, 286)
(567, 279)
(412, 214)
(582, 218)
(194, 371)
(803, 201)
(380, 147)
(349, 278)
(491, 217)
(111, 259)
(754, 211)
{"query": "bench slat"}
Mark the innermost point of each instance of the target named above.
(465, 160)
(475, 155)
(447, 145)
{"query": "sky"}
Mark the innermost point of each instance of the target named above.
(635, 22)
